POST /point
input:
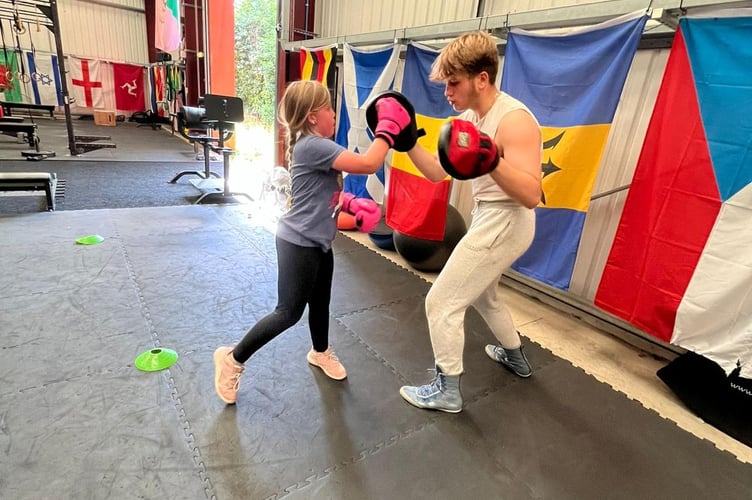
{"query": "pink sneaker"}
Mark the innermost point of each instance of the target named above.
(226, 375)
(328, 362)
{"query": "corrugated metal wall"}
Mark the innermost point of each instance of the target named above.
(493, 7)
(114, 30)
(617, 168)
(347, 17)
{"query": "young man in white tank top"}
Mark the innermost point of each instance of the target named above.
(502, 226)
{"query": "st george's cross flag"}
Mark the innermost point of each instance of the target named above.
(415, 206)
(680, 267)
(572, 84)
(45, 78)
(129, 87)
(86, 83)
(367, 73)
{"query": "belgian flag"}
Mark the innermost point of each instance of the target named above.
(320, 65)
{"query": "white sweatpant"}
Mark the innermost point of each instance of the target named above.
(499, 233)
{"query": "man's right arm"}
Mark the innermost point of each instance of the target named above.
(427, 163)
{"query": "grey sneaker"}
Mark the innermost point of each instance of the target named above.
(512, 359)
(442, 393)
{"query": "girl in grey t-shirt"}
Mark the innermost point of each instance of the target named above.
(305, 233)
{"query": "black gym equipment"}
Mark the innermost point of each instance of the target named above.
(430, 256)
(219, 114)
(226, 111)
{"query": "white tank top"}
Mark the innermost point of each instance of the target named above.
(484, 187)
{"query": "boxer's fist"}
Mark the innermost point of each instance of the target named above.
(465, 152)
(367, 212)
(391, 116)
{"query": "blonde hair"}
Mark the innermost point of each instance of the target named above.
(467, 55)
(300, 100)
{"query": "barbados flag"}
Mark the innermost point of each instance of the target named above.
(572, 84)
(680, 267)
(367, 72)
(415, 206)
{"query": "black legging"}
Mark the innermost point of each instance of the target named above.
(304, 276)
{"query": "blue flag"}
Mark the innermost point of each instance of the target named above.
(572, 84)
(366, 74)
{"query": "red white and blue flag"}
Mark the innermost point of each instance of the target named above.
(680, 267)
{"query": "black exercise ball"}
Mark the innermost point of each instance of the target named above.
(430, 256)
(382, 235)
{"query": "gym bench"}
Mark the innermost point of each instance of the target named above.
(8, 107)
(13, 129)
(31, 181)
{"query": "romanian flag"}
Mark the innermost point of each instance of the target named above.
(320, 65)
(415, 206)
(572, 84)
(367, 73)
(680, 267)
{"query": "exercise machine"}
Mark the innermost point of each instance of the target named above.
(225, 112)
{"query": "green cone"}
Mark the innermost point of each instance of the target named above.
(156, 359)
(92, 239)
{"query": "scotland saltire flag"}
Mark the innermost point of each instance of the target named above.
(572, 84)
(366, 74)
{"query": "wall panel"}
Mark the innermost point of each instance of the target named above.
(104, 32)
(493, 7)
(617, 168)
(113, 32)
(348, 17)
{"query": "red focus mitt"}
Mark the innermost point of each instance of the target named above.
(465, 152)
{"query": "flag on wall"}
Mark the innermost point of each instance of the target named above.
(9, 83)
(572, 84)
(167, 25)
(129, 87)
(45, 78)
(415, 206)
(86, 82)
(366, 74)
(680, 267)
(319, 64)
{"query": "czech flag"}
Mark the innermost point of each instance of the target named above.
(680, 267)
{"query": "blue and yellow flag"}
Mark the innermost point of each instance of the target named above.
(415, 206)
(572, 84)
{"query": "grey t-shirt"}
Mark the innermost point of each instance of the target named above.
(315, 188)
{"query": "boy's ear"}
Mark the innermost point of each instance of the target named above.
(312, 119)
(482, 79)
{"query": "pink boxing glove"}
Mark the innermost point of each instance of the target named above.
(393, 118)
(367, 212)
